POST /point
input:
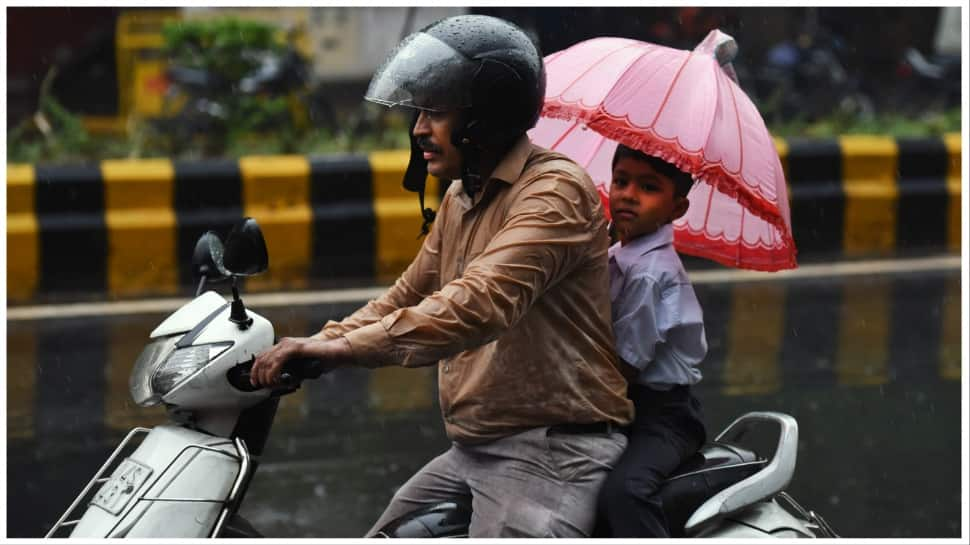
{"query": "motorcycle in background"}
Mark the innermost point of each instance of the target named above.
(807, 78)
(926, 84)
(278, 91)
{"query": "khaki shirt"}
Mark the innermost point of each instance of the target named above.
(509, 294)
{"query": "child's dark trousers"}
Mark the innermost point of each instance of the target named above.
(668, 429)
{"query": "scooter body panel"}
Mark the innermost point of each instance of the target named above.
(189, 314)
(762, 520)
(209, 388)
(175, 484)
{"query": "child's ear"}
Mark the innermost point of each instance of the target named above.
(681, 204)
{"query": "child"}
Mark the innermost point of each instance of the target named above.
(659, 338)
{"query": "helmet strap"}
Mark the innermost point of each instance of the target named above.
(471, 176)
(465, 139)
(427, 214)
(416, 177)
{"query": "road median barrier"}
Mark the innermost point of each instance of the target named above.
(127, 227)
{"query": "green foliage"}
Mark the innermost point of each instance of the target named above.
(890, 124)
(272, 124)
(256, 125)
(54, 134)
(222, 46)
(254, 136)
(227, 50)
(258, 113)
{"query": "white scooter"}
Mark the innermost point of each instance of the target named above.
(187, 478)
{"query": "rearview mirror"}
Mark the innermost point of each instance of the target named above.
(207, 258)
(245, 250)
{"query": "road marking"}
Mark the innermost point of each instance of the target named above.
(271, 300)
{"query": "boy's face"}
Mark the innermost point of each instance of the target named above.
(642, 199)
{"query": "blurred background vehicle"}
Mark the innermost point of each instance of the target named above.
(926, 83)
(228, 75)
(807, 77)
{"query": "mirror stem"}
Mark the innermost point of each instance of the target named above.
(198, 290)
(238, 314)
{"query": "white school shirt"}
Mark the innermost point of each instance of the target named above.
(658, 323)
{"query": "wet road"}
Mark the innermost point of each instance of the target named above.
(868, 365)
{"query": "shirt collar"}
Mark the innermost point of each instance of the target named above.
(510, 168)
(640, 246)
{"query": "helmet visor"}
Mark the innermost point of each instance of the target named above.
(423, 72)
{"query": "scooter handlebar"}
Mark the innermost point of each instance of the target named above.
(294, 372)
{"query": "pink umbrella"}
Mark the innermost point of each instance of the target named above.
(686, 108)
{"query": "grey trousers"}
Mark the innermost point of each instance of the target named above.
(538, 483)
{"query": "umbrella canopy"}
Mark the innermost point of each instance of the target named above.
(686, 108)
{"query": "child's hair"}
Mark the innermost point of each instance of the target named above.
(682, 180)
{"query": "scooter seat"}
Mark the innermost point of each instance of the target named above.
(715, 467)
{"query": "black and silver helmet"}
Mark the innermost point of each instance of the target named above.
(477, 63)
(484, 67)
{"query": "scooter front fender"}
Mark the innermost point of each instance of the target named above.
(177, 483)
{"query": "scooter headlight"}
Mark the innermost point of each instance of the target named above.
(161, 367)
(183, 363)
(140, 382)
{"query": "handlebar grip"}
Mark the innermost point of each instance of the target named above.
(294, 371)
(303, 368)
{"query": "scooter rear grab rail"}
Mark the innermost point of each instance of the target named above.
(235, 493)
(229, 503)
(98, 478)
(764, 484)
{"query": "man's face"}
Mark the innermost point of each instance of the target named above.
(642, 199)
(433, 131)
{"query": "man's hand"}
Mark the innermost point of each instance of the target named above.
(268, 365)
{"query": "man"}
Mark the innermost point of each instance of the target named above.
(508, 294)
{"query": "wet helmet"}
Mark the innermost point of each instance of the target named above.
(483, 65)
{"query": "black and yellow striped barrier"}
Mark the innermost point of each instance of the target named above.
(127, 228)
(867, 195)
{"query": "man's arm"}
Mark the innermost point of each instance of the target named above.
(418, 281)
(548, 231)
(268, 365)
(328, 345)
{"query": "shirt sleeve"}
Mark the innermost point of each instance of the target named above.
(418, 281)
(638, 326)
(546, 232)
(652, 313)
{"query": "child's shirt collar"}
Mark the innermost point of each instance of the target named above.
(626, 255)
